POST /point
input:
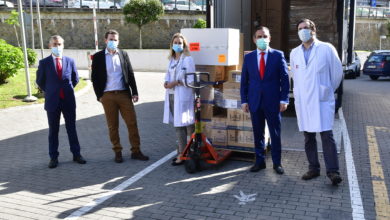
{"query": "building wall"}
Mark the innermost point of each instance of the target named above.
(368, 32)
(76, 27)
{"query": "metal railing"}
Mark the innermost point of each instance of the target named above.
(373, 12)
(169, 5)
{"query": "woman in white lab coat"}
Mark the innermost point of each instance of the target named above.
(179, 99)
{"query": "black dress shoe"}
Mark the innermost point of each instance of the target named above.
(118, 157)
(139, 156)
(79, 160)
(279, 169)
(53, 163)
(310, 175)
(334, 177)
(258, 167)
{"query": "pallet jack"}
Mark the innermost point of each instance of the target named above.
(199, 148)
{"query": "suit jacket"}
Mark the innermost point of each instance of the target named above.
(99, 73)
(50, 83)
(269, 91)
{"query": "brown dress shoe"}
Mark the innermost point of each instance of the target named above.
(310, 175)
(118, 157)
(139, 156)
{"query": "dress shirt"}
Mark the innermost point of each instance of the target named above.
(55, 62)
(306, 52)
(114, 72)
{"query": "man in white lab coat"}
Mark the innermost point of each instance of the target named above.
(317, 73)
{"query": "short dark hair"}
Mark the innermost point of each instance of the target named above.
(312, 25)
(112, 31)
(262, 28)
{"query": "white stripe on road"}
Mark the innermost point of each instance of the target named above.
(354, 190)
(78, 213)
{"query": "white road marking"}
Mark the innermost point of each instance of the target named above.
(243, 199)
(120, 188)
(354, 190)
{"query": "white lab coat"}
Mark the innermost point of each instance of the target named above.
(184, 96)
(314, 86)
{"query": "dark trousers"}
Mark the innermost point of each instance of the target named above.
(274, 125)
(329, 151)
(113, 103)
(54, 127)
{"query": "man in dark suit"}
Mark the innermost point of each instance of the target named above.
(115, 87)
(57, 76)
(264, 93)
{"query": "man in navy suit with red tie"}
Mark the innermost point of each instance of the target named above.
(264, 93)
(57, 76)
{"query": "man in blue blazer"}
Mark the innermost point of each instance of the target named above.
(57, 76)
(264, 93)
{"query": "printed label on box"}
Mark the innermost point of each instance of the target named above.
(194, 46)
(221, 58)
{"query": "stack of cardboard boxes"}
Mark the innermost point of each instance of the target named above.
(220, 53)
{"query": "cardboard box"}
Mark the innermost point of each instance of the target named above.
(240, 138)
(219, 122)
(234, 118)
(230, 68)
(206, 111)
(234, 76)
(245, 139)
(241, 52)
(213, 46)
(231, 90)
(247, 121)
(219, 112)
(217, 73)
(233, 137)
(219, 137)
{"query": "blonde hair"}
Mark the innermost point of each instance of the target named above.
(186, 51)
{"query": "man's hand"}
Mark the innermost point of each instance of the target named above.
(166, 85)
(283, 107)
(135, 98)
(245, 107)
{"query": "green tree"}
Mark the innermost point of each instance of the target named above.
(11, 60)
(13, 20)
(141, 12)
(200, 23)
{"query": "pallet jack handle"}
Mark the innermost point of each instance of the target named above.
(198, 83)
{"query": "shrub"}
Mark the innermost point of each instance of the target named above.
(11, 60)
(200, 23)
(31, 56)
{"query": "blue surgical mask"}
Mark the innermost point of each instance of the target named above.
(178, 48)
(57, 51)
(304, 35)
(262, 43)
(112, 45)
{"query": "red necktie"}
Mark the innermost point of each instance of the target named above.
(59, 72)
(262, 65)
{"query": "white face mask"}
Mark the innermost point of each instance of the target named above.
(304, 35)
